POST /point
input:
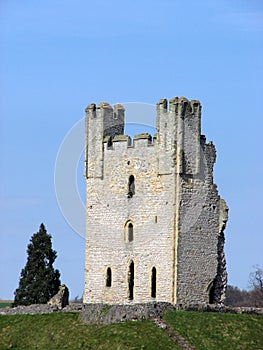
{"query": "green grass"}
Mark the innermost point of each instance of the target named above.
(5, 304)
(213, 331)
(66, 331)
(205, 331)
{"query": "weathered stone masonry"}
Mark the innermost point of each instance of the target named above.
(155, 222)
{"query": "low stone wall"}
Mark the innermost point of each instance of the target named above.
(107, 314)
(39, 309)
(220, 308)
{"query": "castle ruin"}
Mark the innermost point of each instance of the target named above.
(154, 219)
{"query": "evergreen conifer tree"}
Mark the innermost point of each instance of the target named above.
(38, 281)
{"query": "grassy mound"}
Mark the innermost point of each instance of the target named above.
(213, 331)
(204, 331)
(66, 331)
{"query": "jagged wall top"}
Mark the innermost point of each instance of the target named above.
(112, 118)
(178, 136)
(179, 105)
(104, 105)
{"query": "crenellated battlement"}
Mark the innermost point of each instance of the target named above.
(126, 142)
(104, 105)
(178, 138)
(179, 105)
(111, 118)
(178, 125)
(101, 121)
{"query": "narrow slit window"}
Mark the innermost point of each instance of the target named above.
(153, 283)
(131, 280)
(130, 232)
(131, 187)
(108, 277)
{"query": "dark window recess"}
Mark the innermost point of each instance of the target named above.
(131, 187)
(131, 280)
(212, 293)
(109, 143)
(108, 277)
(130, 232)
(153, 283)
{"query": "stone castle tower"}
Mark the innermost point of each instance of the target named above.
(155, 222)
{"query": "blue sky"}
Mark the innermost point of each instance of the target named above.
(59, 56)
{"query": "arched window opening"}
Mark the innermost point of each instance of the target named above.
(212, 295)
(131, 280)
(211, 292)
(131, 187)
(153, 283)
(108, 277)
(130, 232)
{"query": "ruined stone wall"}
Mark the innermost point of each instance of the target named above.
(201, 273)
(175, 212)
(197, 242)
